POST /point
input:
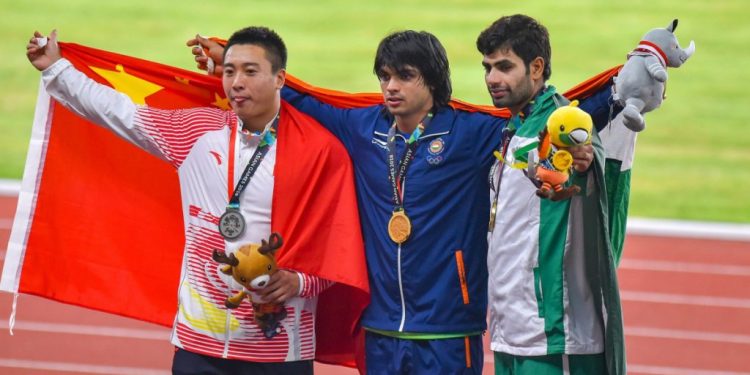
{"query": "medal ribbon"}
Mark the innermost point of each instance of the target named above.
(268, 138)
(507, 135)
(397, 175)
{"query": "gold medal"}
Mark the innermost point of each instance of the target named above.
(399, 227)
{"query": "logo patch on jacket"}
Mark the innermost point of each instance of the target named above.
(436, 148)
(217, 156)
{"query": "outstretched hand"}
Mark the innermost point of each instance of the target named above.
(42, 51)
(209, 55)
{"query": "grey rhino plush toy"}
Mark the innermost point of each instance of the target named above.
(639, 86)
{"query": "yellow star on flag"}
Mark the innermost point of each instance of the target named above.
(137, 89)
(220, 102)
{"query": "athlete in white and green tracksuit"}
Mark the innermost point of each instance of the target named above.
(552, 282)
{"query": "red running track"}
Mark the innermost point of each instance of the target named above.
(686, 306)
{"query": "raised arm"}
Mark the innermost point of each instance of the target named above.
(167, 134)
(87, 98)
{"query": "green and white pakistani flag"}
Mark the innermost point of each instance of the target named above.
(619, 146)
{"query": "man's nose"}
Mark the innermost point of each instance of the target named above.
(238, 82)
(493, 76)
(393, 85)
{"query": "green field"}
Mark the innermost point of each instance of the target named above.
(690, 161)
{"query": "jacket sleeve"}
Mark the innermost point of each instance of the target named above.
(95, 102)
(336, 120)
(166, 134)
(601, 106)
(311, 286)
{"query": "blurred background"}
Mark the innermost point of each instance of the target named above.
(691, 162)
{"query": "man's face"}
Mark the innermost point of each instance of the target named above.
(250, 83)
(404, 93)
(509, 82)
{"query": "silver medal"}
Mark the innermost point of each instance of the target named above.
(231, 224)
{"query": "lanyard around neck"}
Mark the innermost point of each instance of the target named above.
(268, 138)
(396, 174)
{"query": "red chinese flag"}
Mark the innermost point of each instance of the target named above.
(99, 221)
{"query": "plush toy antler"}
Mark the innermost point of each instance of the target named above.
(273, 244)
(222, 258)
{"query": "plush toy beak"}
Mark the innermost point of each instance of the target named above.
(579, 136)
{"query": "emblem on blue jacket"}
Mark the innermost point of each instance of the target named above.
(435, 149)
(437, 146)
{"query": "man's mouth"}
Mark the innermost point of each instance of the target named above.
(498, 93)
(238, 100)
(393, 102)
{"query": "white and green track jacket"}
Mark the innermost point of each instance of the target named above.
(552, 282)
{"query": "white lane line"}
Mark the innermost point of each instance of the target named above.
(79, 329)
(9, 188)
(701, 268)
(662, 370)
(687, 335)
(684, 299)
(689, 229)
(81, 368)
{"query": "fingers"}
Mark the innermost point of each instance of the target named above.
(277, 293)
(35, 45)
(583, 156)
(200, 58)
(282, 286)
(43, 51)
(38, 40)
(198, 41)
(278, 296)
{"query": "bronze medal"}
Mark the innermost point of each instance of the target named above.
(399, 227)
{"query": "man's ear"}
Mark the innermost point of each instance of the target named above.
(536, 68)
(280, 78)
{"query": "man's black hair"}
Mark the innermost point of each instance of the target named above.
(420, 50)
(265, 38)
(521, 34)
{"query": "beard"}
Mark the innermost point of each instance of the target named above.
(517, 97)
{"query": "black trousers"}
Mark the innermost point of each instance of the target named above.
(188, 363)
